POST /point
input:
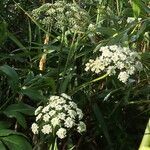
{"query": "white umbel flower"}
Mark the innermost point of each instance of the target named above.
(72, 113)
(73, 104)
(69, 122)
(81, 127)
(52, 112)
(45, 109)
(55, 122)
(47, 129)
(123, 76)
(38, 110)
(34, 128)
(58, 107)
(46, 117)
(61, 133)
(79, 112)
(66, 96)
(39, 116)
(60, 114)
(115, 60)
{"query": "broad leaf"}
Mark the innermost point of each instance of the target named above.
(2, 146)
(12, 75)
(32, 93)
(4, 125)
(17, 111)
(19, 117)
(16, 142)
(21, 107)
(10, 72)
(7, 132)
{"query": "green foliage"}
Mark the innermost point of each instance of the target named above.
(16, 110)
(116, 114)
(13, 140)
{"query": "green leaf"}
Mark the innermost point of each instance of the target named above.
(145, 148)
(19, 117)
(32, 93)
(7, 132)
(16, 142)
(136, 8)
(2, 146)
(106, 31)
(4, 125)
(3, 31)
(30, 76)
(17, 42)
(21, 107)
(17, 111)
(10, 72)
(12, 76)
(101, 122)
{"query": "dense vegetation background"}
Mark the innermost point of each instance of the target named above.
(116, 114)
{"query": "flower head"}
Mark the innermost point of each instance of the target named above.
(115, 60)
(34, 128)
(60, 115)
(46, 129)
(61, 133)
(61, 14)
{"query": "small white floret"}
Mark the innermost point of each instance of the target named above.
(61, 133)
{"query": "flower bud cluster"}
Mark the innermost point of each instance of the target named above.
(115, 60)
(61, 15)
(59, 116)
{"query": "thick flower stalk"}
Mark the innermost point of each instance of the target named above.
(115, 60)
(58, 117)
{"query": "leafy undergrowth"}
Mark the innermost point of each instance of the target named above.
(97, 52)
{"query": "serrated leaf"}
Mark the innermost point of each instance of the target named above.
(16, 142)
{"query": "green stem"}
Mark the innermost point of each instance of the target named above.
(145, 144)
(118, 11)
(88, 83)
(98, 15)
(60, 57)
(53, 145)
(70, 52)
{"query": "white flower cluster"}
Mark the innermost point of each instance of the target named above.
(58, 116)
(68, 16)
(115, 60)
(132, 19)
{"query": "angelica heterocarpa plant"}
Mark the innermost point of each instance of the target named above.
(63, 16)
(58, 117)
(115, 60)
